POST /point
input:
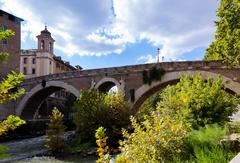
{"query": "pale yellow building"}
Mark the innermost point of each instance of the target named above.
(42, 61)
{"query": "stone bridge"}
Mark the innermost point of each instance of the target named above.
(128, 79)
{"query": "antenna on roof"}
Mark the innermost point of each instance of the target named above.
(158, 51)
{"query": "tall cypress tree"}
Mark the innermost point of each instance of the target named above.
(227, 38)
(55, 132)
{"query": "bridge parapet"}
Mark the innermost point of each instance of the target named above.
(167, 66)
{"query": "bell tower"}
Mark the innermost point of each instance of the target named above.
(45, 41)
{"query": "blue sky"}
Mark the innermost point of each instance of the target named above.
(107, 33)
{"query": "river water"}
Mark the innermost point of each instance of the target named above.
(24, 151)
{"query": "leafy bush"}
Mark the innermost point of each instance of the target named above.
(206, 145)
(103, 149)
(94, 109)
(55, 132)
(148, 106)
(208, 101)
(159, 138)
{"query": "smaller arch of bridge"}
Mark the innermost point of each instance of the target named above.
(39, 87)
(105, 84)
(145, 91)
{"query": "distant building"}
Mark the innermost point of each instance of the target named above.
(42, 61)
(11, 45)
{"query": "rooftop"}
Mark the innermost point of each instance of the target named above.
(10, 16)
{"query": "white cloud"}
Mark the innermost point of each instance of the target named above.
(147, 58)
(69, 23)
(90, 28)
(176, 26)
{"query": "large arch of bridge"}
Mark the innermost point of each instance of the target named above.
(105, 84)
(145, 91)
(37, 94)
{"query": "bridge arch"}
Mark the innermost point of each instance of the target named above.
(105, 84)
(37, 94)
(145, 91)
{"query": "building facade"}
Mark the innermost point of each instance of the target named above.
(12, 45)
(42, 61)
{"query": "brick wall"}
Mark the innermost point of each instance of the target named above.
(13, 45)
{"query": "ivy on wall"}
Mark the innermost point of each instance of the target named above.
(151, 75)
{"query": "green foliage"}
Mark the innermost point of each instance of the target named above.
(11, 123)
(234, 126)
(148, 106)
(103, 149)
(3, 56)
(153, 74)
(9, 91)
(208, 101)
(207, 147)
(163, 134)
(55, 132)
(159, 138)
(227, 38)
(4, 35)
(9, 87)
(94, 109)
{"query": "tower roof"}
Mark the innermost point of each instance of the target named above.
(45, 31)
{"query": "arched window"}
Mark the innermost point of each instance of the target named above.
(42, 44)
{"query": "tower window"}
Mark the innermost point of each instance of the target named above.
(25, 60)
(50, 46)
(33, 71)
(24, 70)
(33, 61)
(42, 44)
(50, 62)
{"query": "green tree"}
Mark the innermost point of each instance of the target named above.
(94, 109)
(208, 101)
(9, 87)
(55, 132)
(227, 38)
(9, 91)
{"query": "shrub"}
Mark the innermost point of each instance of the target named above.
(208, 101)
(94, 109)
(148, 106)
(55, 132)
(206, 145)
(159, 138)
(103, 149)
